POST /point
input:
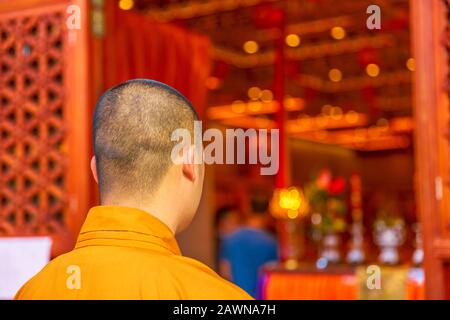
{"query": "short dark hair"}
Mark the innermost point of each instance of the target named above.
(132, 128)
(259, 204)
(223, 212)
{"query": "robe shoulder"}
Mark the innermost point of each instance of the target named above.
(127, 273)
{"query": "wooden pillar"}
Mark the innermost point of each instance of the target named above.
(428, 23)
(77, 84)
(282, 177)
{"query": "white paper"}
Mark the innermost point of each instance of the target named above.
(21, 259)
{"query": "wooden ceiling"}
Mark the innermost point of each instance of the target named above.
(381, 98)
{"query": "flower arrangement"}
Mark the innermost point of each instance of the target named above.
(326, 196)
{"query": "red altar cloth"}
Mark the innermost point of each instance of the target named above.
(312, 284)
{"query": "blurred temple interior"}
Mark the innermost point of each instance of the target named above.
(362, 112)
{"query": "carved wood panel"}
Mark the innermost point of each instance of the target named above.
(44, 153)
(32, 130)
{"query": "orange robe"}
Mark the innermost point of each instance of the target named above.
(125, 253)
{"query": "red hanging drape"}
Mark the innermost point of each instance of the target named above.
(137, 47)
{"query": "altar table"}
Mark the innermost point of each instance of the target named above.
(306, 282)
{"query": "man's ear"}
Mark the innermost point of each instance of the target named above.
(94, 168)
(188, 166)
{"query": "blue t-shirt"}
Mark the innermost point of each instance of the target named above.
(246, 250)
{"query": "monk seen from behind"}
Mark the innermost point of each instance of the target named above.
(126, 248)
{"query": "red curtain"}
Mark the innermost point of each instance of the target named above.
(137, 47)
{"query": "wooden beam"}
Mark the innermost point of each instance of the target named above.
(14, 6)
(304, 52)
(354, 83)
(194, 9)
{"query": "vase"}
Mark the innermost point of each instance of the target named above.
(388, 239)
(329, 251)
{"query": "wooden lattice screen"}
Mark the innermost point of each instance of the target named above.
(39, 135)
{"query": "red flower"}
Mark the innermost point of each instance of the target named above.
(324, 179)
(337, 186)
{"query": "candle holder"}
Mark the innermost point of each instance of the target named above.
(289, 206)
(329, 250)
(356, 254)
(417, 258)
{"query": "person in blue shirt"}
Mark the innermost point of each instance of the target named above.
(245, 250)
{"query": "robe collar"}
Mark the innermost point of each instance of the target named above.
(128, 227)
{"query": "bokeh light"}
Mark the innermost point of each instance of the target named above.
(254, 93)
(126, 4)
(293, 40)
(411, 64)
(338, 33)
(251, 46)
(335, 75)
(372, 70)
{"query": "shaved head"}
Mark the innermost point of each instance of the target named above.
(133, 124)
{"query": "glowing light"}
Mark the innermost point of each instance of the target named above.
(373, 132)
(213, 83)
(352, 117)
(292, 40)
(326, 109)
(292, 104)
(254, 106)
(402, 124)
(254, 93)
(411, 64)
(291, 264)
(262, 122)
(238, 106)
(383, 124)
(338, 33)
(360, 133)
(126, 4)
(336, 113)
(335, 75)
(292, 214)
(322, 122)
(289, 203)
(305, 121)
(266, 95)
(372, 70)
(251, 46)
